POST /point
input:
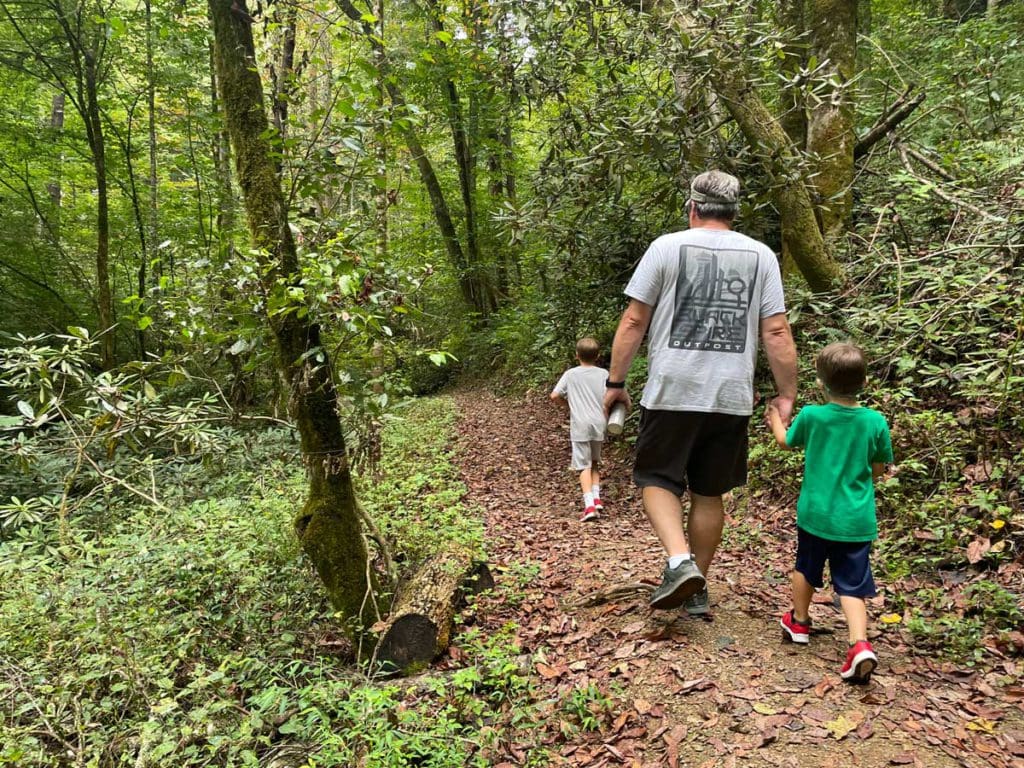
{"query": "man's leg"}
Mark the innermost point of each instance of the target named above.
(665, 511)
(703, 527)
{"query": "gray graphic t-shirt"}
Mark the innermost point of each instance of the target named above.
(709, 289)
(583, 387)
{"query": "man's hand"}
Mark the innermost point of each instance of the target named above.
(613, 396)
(784, 407)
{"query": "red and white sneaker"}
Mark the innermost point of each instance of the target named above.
(598, 506)
(795, 631)
(590, 513)
(860, 662)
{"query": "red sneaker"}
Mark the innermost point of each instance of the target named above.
(598, 505)
(795, 631)
(860, 662)
(590, 513)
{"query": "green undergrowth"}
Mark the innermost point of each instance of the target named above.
(199, 635)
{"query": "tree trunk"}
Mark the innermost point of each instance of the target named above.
(221, 150)
(779, 158)
(483, 293)
(328, 525)
(97, 146)
(420, 625)
(153, 211)
(473, 292)
(382, 201)
(57, 128)
(794, 109)
(830, 128)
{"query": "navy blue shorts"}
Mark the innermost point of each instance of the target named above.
(848, 562)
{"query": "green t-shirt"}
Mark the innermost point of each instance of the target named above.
(837, 498)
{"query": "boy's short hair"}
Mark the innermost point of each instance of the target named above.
(842, 369)
(587, 349)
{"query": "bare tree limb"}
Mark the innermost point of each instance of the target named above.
(895, 114)
(935, 190)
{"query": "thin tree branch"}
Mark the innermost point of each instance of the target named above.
(895, 114)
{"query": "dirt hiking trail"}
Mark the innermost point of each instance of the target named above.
(720, 691)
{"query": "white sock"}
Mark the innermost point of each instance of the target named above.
(675, 560)
(588, 500)
(595, 490)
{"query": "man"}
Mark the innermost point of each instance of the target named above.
(706, 293)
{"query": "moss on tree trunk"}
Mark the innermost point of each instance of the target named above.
(780, 159)
(328, 525)
(830, 129)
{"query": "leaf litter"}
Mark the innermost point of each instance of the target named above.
(719, 692)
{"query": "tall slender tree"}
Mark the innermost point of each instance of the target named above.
(328, 524)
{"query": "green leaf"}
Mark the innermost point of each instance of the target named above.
(144, 322)
(444, 37)
(26, 410)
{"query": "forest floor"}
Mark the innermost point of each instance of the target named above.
(722, 691)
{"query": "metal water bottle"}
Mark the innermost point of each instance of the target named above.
(617, 419)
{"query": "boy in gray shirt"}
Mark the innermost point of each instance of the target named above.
(583, 388)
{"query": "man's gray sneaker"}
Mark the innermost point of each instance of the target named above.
(699, 604)
(677, 584)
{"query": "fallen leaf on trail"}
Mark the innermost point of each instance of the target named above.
(642, 706)
(840, 727)
(768, 736)
(890, 618)
(904, 758)
(689, 686)
(615, 753)
(977, 550)
(625, 651)
(764, 709)
(547, 672)
(998, 524)
(981, 724)
(926, 536)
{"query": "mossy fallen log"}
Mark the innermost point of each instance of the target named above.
(420, 625)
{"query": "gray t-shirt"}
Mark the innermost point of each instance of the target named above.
(709, 289)
(583, 387)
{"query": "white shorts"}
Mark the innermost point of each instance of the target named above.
(585, 453)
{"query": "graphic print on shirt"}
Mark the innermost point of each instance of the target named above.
(713, 295)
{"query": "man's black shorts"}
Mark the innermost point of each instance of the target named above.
(705, 451)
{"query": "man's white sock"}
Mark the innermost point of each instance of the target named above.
(595, 491)
(675, 560)
(588, 500)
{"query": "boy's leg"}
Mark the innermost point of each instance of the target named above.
(856, 612)
(811, 553)
(803, 592)
(585, 481)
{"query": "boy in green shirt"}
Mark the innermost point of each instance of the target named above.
(846, 446)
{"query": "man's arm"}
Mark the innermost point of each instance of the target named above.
(628, 337)
(777, 339)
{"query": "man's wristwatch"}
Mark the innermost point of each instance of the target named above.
(615, 385)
